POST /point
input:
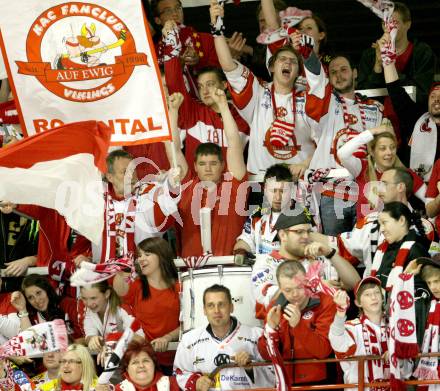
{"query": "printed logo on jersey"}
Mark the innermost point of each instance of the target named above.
(342, 137)
(262, 276)
(198, 360)
(80, 52)
(285, 150)
(308, 315)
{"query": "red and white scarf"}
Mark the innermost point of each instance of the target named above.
(377, 369)
(15, 379)
(275, 356)
(403, 337)
(92, 273)
(428, 366)
(122, 234)
(423, 144)
(400, 260)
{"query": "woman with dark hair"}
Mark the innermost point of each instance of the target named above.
(139, 370)
(402, 244)
(154, 297)
(37, 302)
(381, 148)
(315, 27)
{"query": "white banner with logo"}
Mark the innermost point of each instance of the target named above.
(84, 60)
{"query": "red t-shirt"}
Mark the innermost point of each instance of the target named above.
(158, 315)
(363, 206)
(155, 152)
(227, 201)
(54, 233)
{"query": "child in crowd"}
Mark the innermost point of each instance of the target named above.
(366, 335)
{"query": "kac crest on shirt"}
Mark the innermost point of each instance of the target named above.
(342, 137)
(285, 152)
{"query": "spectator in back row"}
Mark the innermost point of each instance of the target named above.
(415, 61)
(338, 114)
(382, 147)
(280, 131)
(201, 121)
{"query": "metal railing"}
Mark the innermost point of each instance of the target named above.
(361, 385)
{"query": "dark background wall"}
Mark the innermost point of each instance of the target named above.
(351, 26)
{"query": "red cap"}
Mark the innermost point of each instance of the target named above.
(372, 279)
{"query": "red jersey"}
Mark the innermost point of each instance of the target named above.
(227, 201)
(199, 122)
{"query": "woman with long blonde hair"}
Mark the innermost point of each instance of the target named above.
(77, 371)
(382, 155)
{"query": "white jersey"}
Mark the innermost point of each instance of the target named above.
(258, 232)
(347, 339)
(199, 353)
(113, 323)
(264, 281)
(152, 214)
(326, 109)
(254, 100)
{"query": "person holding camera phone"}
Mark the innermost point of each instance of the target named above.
(299, 324)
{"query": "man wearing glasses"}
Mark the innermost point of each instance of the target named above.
(294, 232)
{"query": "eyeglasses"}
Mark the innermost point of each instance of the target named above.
(70, 362)
(170, 11)
(300, 232)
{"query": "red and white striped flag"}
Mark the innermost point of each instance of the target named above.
(60, 169)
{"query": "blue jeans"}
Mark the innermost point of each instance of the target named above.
(337, 215)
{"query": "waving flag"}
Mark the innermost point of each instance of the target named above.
(60, 169)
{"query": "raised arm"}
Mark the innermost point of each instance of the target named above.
(221, 46)
(234, 152)
(174, 102)
(270, 14)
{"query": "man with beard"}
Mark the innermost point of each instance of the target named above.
(258, 235)
(339, 114)
(294, 234)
